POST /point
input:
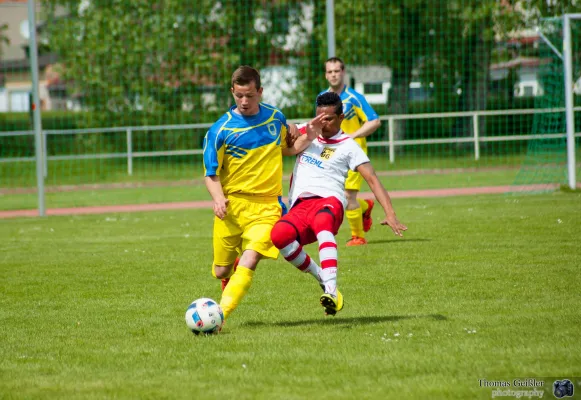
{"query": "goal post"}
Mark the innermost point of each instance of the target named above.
(551, 157)
(569, 102)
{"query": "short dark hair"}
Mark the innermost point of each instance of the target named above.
(244, 75)
(335, 60)
(330, 99)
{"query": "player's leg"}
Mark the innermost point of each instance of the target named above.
(284, 212)
(325, 224)
(227, 239)
(224, 282)
(227, 247)
(354, 212)
(365, 205)
(286, 236)
(240, 282)
(256, 222)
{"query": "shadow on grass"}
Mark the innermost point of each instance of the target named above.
(346, 321)
(397, 241)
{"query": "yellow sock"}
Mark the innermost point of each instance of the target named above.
(355, 222)
(363, 204)
(237, 288)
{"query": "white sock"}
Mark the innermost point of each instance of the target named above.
(295, 254)
(329, 280)
(328, 257)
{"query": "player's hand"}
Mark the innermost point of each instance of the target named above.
(221, 208)
(396, 226)
(292, 135)
(315, 127)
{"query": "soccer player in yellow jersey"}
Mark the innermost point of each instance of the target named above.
(360, 121)
(243, 174)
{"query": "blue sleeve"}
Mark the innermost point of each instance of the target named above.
(213, 151)
(365, 112)
(283, 121)
(284, 130)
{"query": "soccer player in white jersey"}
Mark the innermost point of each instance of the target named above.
(317, 200)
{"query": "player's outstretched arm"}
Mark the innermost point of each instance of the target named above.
(366, 129)
(313, 130)
(368, 173)
(214, 187)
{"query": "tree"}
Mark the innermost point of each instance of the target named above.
(311, 60)
(384, 32)
(483, 22)
(533, 10)
(128, 57)
(441, 43)
(156, 56)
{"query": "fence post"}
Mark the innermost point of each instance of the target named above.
(476, 137)
(390, 123)
(44, 153)
(37, 121)
(129, 152)
(330, 16)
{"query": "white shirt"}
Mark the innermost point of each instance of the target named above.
(321, 169)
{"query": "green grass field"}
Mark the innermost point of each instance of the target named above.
(74, 172)
(483, 287)
(196, 192)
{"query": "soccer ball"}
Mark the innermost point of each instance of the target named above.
(204, 316)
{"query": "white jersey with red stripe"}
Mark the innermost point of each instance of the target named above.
(321, 169)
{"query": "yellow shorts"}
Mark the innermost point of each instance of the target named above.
(354, 179)
(247, 226)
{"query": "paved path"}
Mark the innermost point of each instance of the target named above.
(397, 194)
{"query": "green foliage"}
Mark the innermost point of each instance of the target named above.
(23, 146)
(50, 120)
(133, 60)
(139, 62)
(173, 52)
(542, 9)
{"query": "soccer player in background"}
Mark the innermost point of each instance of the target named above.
(243, 174)
(317, 200)
(360, 121)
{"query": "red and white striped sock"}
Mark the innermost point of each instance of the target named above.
(295, 254)
(328, 259)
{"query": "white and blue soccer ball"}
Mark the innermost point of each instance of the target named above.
(204, 316)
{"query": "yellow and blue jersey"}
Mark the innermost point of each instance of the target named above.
(357, 111)
(245, 152)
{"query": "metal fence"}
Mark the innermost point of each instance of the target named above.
(434, 69)
(391, 144)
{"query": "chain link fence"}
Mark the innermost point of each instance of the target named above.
(128, 89)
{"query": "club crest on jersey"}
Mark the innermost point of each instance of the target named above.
(327, 153)
(306, 159)
(272, 129)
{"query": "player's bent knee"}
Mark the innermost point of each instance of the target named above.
(324, 221)
(282, 234)
(221, 271)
